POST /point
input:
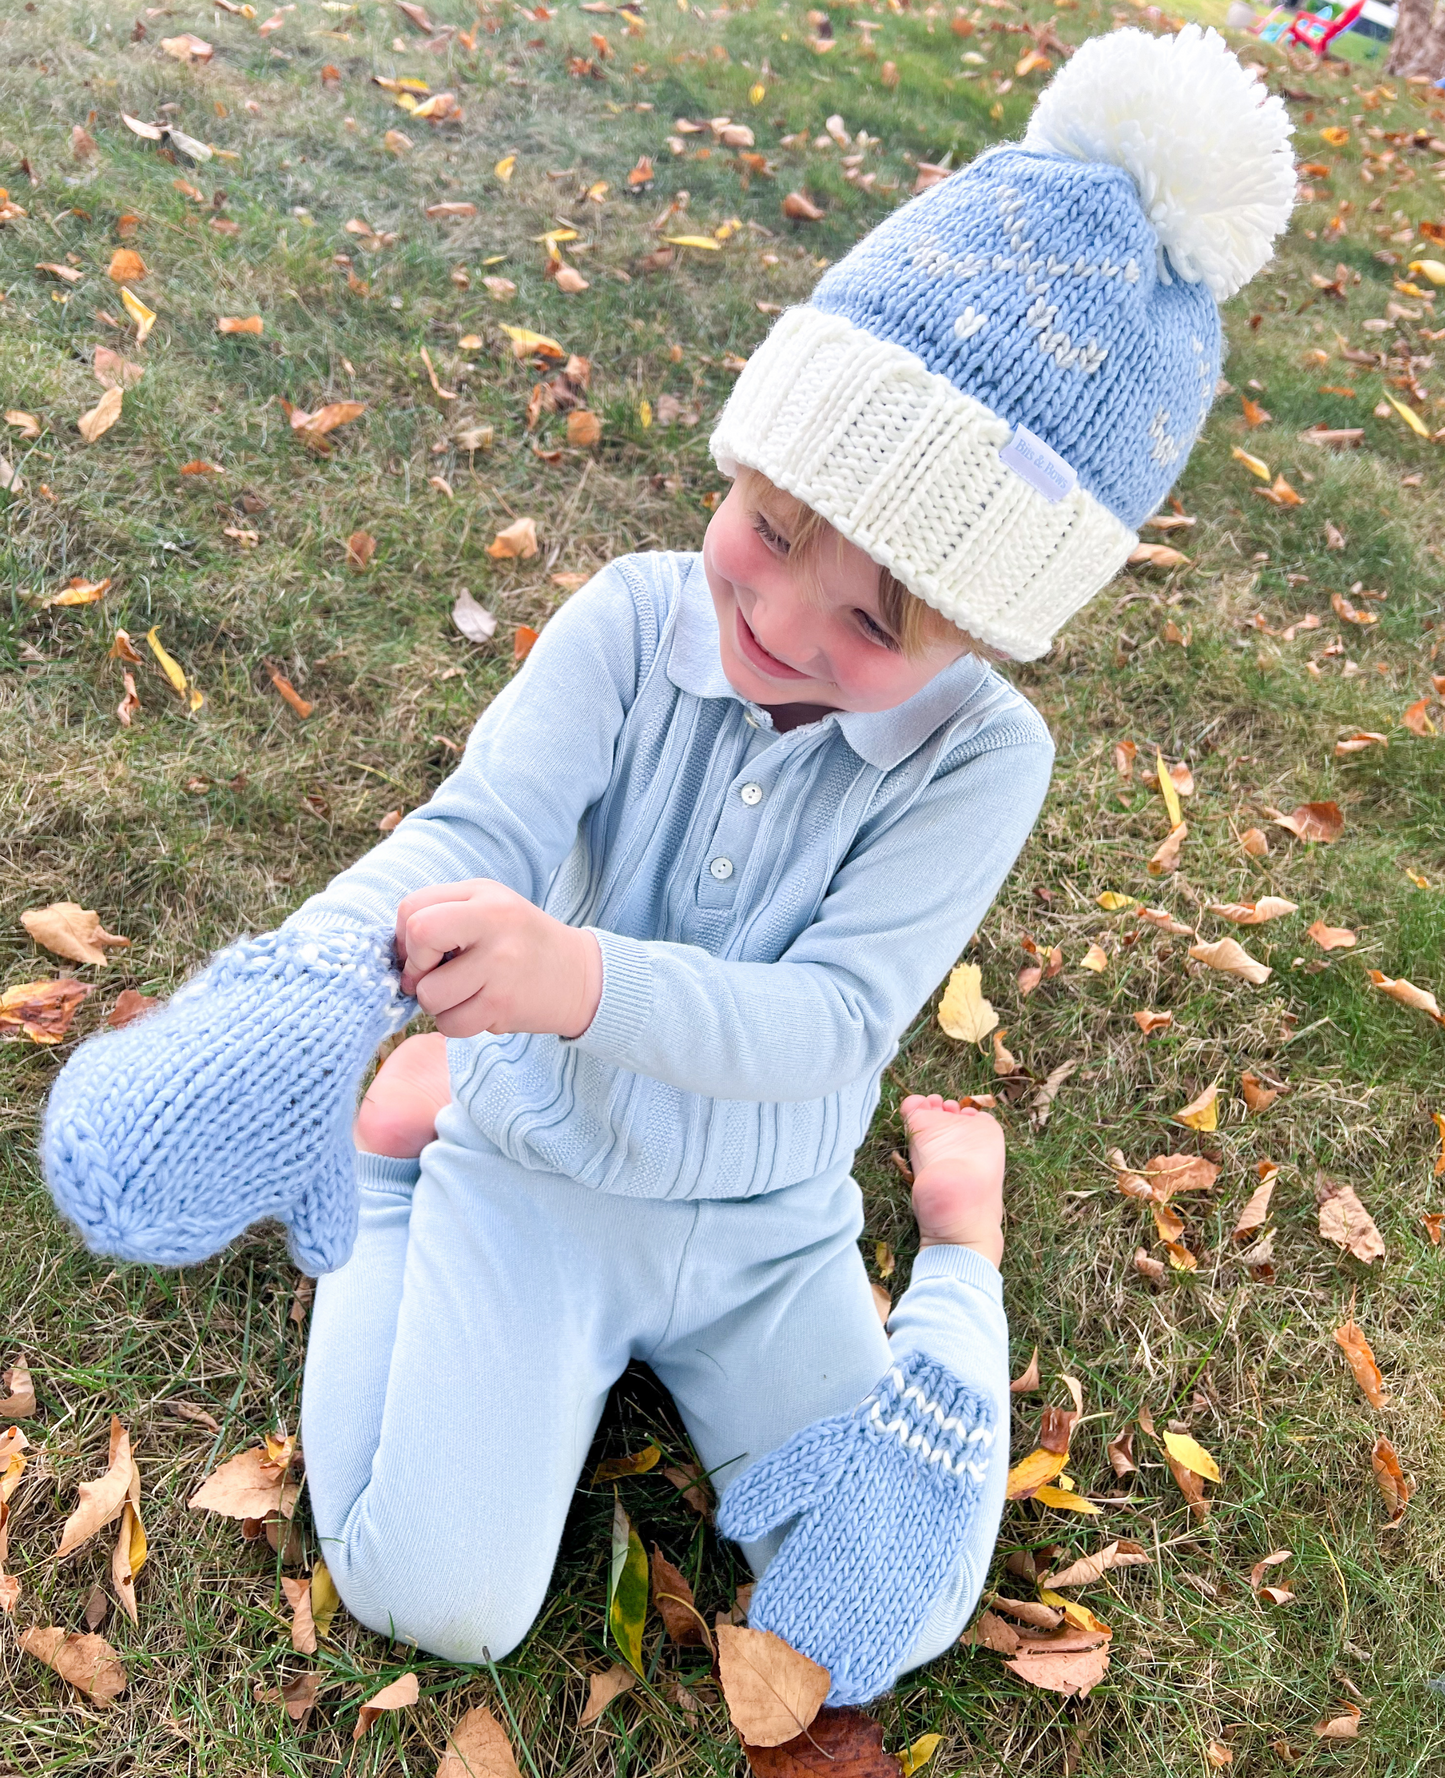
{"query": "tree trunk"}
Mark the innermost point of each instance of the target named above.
(1419, 45)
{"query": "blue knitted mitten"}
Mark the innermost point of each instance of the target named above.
(883, 1501)
(233, 1102)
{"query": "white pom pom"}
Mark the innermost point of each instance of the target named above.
(1204, 142)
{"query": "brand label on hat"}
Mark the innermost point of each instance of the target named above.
(1040, 467)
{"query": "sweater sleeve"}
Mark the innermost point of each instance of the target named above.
(538, 758)
(895, 917)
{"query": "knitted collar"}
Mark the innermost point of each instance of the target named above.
(884, 738)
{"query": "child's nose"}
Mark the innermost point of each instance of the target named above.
(783, 630)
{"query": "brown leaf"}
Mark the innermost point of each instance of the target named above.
(1252, 913)
(1345, 1221)
(102, 416)
(1218, 1755)
(101, 1501)
(288, 691)
(1121, 1448)
(673, 1598)
(298, 1695)
(303, 1626)
(1394, 1485)
(1358, 741)
(1421, 999)
(110, 369)
(89, 1663)
(1229, 956)
(1417, 718)
(839, 1743)
(1166, 859)
(1330, 938)
(1256, 1212)
(399, 1695)
(70, 931)
(584, 429)
(325, 419)
(1356, 1349)
(1029, 1381)
(1149, 1021)
(1031, 1611)
(190, 1410)
(17, 1393)
(1121, 1553)
(1157, 555)
(360, 548)
(995, 1633)
(518, 539)
(126, 266)
(1257, 1096)
(478, 1748)
(1074, 1673)
(451, 212)
(1340, 1728)
(1171, 1173)
(1147, 1267)
(1190, 1486)
(1347, 613)
(66, 273)
(801, 209)
(43, 1011)
(240, 324)
(773, 1692)
(188, 47)
(1321, 822)
(1041, 1105)
(248, 1486)
(524, 640)
(602, 1689)
(129, 1554)
(1274, 1559)
(1254, 843)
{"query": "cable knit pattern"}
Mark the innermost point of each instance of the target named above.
(1057, 291)
(884, 1500)
(233, 1102)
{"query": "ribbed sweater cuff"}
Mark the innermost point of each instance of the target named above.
(386, 1173)
(946, 1261)
(626, 1002)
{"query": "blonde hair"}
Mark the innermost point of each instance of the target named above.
(916, 625)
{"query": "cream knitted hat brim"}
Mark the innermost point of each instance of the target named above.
(907, 467)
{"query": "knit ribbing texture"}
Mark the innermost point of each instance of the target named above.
(883, 1499)
(233, 1102)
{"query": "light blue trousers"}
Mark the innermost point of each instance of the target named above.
(460, 1362)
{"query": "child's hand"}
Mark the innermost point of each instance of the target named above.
(479, 957)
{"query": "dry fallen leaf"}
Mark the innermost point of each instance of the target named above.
(293, 697)
(1330, 938)
(303, 1625)
(102, 416)
(399, 1695)
(1321, 822)
(1395, 1486)
(1149, 1021)
(1345, 1221)
(144, 318)
(1166, 859)
(1033, 1472)
(602, 1689)
(518, 539)
(1121, 1553)
(474, 621)
(188, 47)
(1254, 843)
(41, 1011)
(1157, 555)
(17, 1393)
(1201, 1113)
(360, 548)
(1074, 1672)
(1356, 1349)
(101, 1501)
(584, 429)
(1121, 1454)
(839, 1743)
(798, 208)
(1029, 1381)
(238, 324)
(110, 368)
(1095, 958)
(1231, 958)
(89, 1663)
(673, 1598)
(1258, 1096)
(772, 1692)
(478, 1748)
(70, 931)
(298, 1695)
(1256, 1212)
(1340, 1728)
(248, 1486)
(1358, 741)
(126, 266)
(1421, 999)
(963, 1012)
(1218, 1754)
(1252, 913)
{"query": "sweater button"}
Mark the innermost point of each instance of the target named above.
(721, 868)
(752, 794)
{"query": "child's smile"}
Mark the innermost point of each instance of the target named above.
(784, 641)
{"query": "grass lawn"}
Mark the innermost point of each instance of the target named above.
(186, 827)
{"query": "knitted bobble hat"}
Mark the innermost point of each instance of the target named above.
(991, 391)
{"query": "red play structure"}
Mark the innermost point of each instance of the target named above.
(1318, 33)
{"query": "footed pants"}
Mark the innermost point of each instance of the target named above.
(460, 1361)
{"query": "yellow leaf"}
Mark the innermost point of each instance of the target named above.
(1334, 135)
(1168, 791)
(1078, 1615)
(1201, 1113)
(704, 241)
(1430, 268)
(1112, 901)
(756, 94)
(1408, 415)
(627, 1589)
(644, 412)
(1255, 465)
(525, 343)
(1064, 1500)
(144, 318)
(916, 1757)
(1192, 1455)
(1035, 1470)
(170, 666)
(1095, 958)
(504, 167)
(963, 1013)
(325, 1600)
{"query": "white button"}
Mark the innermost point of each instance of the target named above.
(721, 868)
(752, 794)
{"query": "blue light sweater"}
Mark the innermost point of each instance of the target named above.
(762, 954)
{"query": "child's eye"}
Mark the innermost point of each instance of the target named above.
(874, 630)
(773, 539)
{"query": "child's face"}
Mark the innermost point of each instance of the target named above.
(784, 643)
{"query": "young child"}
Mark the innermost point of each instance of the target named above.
(702, 862)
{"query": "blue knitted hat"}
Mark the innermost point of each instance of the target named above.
(992, 390)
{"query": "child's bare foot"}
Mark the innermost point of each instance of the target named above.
(398, 1115)
(957, 1155)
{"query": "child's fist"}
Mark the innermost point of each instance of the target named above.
(479, 957)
